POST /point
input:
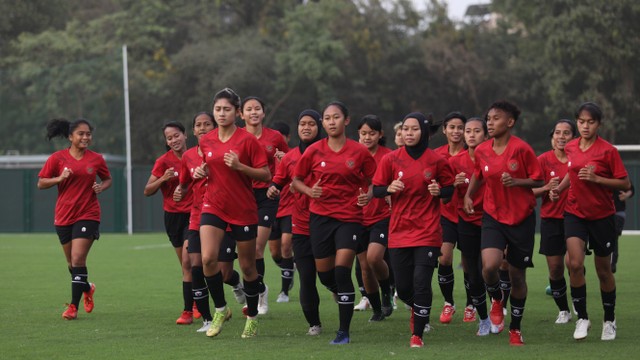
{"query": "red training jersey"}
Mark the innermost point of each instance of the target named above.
(76, 198)
(271, 140)
(231, 197)
(415, 214)
(507, 205)
(462, 163)
(299, 202)
(552, 167)
(377, 209)
(341, 175)
(164, 162)
(586, 199)
(190, 161)
(448, 210)
(282, 178)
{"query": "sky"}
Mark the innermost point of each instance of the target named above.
(457, 8)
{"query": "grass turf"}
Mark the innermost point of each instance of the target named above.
(138, 299)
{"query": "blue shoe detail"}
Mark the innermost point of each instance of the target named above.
(342, 337)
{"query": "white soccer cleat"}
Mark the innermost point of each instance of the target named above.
(563, 317)
(263, 301)
(282, 298)
(484, 327)
(582, 329)
(608, 330)
(205, 326)
(238, 293)
(362, 305)
(314, 330)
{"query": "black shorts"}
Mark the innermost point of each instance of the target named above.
(600, 234)
(469, 235)
(376, 233)
(619, 223)
(519, 239)
(177, 227)
(449, 231)
(329, 235)
(227, 251)
(85, 229)
(552, 240)
(301, 246)
(267, 208)
(420, 255)
(238, 232)
(282, 225)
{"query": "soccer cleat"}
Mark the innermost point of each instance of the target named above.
(515, 338)
(387, 311)
(88, 298)
(497, 329)
(71, 313)
(238, 293)
(250, 328)
(563, 317)
(314, 330)
(582, 329)
(608, 330)
(282, 298)
(416, 342)
(342, 338)
(447, 313)
(245, 311)
(469, 314)
(263, 301)
(218, 319)
(206, 324)
(496, 315)
(376, 317)
(547, 290)
(196, 313)
(484, 327)
(362, 305)
(186, 318)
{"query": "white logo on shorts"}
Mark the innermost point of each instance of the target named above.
(246, 229)
(430, 254)
(526, 259)
(84, 229)
(608, 244)
(381, 236)
(266, 218)
(228, 250)
(355, 237)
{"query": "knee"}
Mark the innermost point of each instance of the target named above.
(556, 272)
(208, 261)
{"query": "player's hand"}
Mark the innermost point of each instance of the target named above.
(363, 198)
(168, 174)
(66, 172)
(279, 154)
(177, 193)
(460, 179)
(201, 171)
(434, 188)
(587, 173)
(231, 160)
(316, 190)
(468, 205)
(97, 187)
(507, 180)
(396, 185)
(273, 192)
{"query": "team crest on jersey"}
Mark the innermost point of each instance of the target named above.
(350, 163)
(591, 167)
(269, 148)
(427, 174)
(90, 170)
(513, 165)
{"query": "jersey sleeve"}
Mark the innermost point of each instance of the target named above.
(103, 170)
(532, 165)
(257, 153)
(281, 178)
(368, 165)
(158, 168)
(617, 166)
(446, 175)
(303, 167)
(185, 172)
(51, 168)
(382, 176)
(282, 145)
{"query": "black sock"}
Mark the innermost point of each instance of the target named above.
(374, 300)
(234, 279)
(187, 295)
(252, 290)
(260, 267)
(559, 293)
(579, 297)
(446, 280)
(505, 285)
(609, 304)
(309, 298)
(359, 280)
(346, 296)
(479, 299)
(467, 289)
(214, 283)
(517, 310)
(79, 284)
(385, 291)
(200, 292)
(286, 272)
(494, 291)
(328, 279)
(420, 318)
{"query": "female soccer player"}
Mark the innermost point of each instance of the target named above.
(374, 268)
(309, 131)
(232, 158)
(552, 241)
(453, 129)
(397, 129)
(77, 214)
(595, 168)
(164, 176)
(510, 170)
(252, 112)
(470, 224)
(340, 171)
(416, 178)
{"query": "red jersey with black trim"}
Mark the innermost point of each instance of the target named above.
(229, 193)
(76, 198)
(507, 205)
(341, 175)
(462, 163)
(415, 214)
(282, 178)
(552, 167)
(190, 161)
(164, 162)
(377, 209)
(588, 200)
(450, 209)
(271, 140)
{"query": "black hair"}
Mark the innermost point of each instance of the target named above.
(572, 125)
(63, 127)
(375, 124)
(592, 108)
(210, 115)
(228, 94)
(482, 121)
(507, 107)
(340, 105)
(282, 127)
(244, 102)
(454, 115)
(174, 124)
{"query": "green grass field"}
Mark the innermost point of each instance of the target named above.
(138, 299)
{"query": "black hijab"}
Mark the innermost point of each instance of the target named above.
(316, 116)
(423, 143)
